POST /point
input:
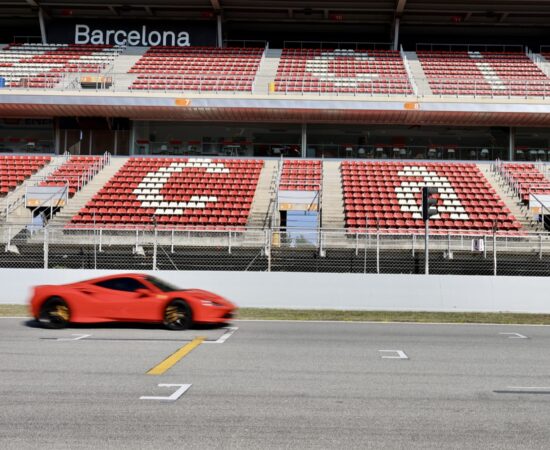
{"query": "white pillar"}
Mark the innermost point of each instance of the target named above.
(220, 37)
(396, 34)
(511, 143)
(304, 140)
(42, 26)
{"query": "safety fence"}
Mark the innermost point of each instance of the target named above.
(290, 250)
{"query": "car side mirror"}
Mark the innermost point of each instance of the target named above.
(142, 292)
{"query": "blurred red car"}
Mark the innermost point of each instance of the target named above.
(127, 298)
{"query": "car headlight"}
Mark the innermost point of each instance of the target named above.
(210, 303)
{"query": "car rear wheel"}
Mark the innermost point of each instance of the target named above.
(54, 313)
(177, 315)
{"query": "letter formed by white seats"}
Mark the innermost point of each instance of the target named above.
(163, 174)
(319, 66)
(430, 179)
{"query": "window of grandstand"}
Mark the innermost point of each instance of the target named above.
(26, 136)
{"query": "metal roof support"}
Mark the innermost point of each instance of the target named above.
(42, 25)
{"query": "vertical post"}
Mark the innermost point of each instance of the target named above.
(172, 243)
(396, 33)
(46, 249)
(494, 253)
(378, 251)
(42, 26)
(100, 240)
(511, 143)
(304, 140)
(229, 242)
(268, 236)
(365, 257)
(132, 149)
(90, 143)
(155, 249)
(357, 242)
(540, 246)
(413, 244)
(426, 247)
(95, 245)
(219, 28)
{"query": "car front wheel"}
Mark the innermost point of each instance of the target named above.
(177, 315)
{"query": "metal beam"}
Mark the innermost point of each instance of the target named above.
(148, 10)
(400, 7)
(32, 2)
(216, 4)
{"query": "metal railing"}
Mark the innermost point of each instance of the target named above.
(276, 249)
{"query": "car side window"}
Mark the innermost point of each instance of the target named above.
(121, 284)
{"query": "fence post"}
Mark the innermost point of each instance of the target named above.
(495, 254)
(229, 242)
(377, 251)
(540, 246)
(155, 249)
(46, 250)
(365, 257)
(100, 240)
(268, 237)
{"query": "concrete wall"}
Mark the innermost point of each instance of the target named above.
(326, 290)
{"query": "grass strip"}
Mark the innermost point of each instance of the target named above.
(360, 316)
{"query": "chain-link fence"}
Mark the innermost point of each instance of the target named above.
(275, 250)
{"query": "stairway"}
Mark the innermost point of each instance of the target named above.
(86, 193)
(267, 71)
(122, 80)
(265, 193)
(332, 206)
(541, 62)
(418, 74)
(502, 188)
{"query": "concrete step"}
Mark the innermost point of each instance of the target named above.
(332, 202)
(267, 70)
(513, 203)
(418, 74)
(87, 192)
(125, 61)
(265, 193)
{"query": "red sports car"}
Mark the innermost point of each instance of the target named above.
(127, 298)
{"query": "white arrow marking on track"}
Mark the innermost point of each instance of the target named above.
(400, 354)
(515, 336)
(224, 337)
(78, 338)
(172, 398)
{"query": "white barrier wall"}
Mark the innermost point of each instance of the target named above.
(326, 290)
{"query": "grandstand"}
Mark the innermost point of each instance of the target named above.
(211, 136)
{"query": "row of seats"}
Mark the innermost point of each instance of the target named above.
(175, 191)
(387, 195)
(76, 171)
(483, 73)
(43, 65)
(342, 71)
(300, 175)
(527, 178)
(197, 68)
(16, 169)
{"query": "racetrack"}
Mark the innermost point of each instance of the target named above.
(277, 385)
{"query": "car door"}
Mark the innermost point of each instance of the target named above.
(126, 298)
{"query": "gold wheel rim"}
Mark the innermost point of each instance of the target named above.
(61, 312)
(174, 314)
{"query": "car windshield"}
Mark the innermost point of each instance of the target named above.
(162, 285)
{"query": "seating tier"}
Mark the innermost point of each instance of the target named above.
(342, 71)
(483, 73)
(172, 192)
(43, 65)
(197, 68)
(300, 175)
(77, 171)
(16, 169)
(527, 178)
(387, 196)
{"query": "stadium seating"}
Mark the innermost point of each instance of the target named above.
(43, 65)
(172, 192)
(197, 68)
(387, 196)
(77, 171)
(483, 73)
(379, 72)
(300, 175)
(527, 178)
(16, 169)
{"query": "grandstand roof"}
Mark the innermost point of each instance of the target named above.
(411, 12)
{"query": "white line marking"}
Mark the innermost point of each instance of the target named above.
(379, 322)
(172, 398)
(515, 336)
(400, 354)
(527, 387)
(224, 337)
(80, 336)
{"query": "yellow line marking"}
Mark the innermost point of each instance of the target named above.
(162, 367)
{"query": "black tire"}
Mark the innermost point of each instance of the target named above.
(54, 313)
(178, 315)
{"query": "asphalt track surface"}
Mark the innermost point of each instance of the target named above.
(277, 385)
